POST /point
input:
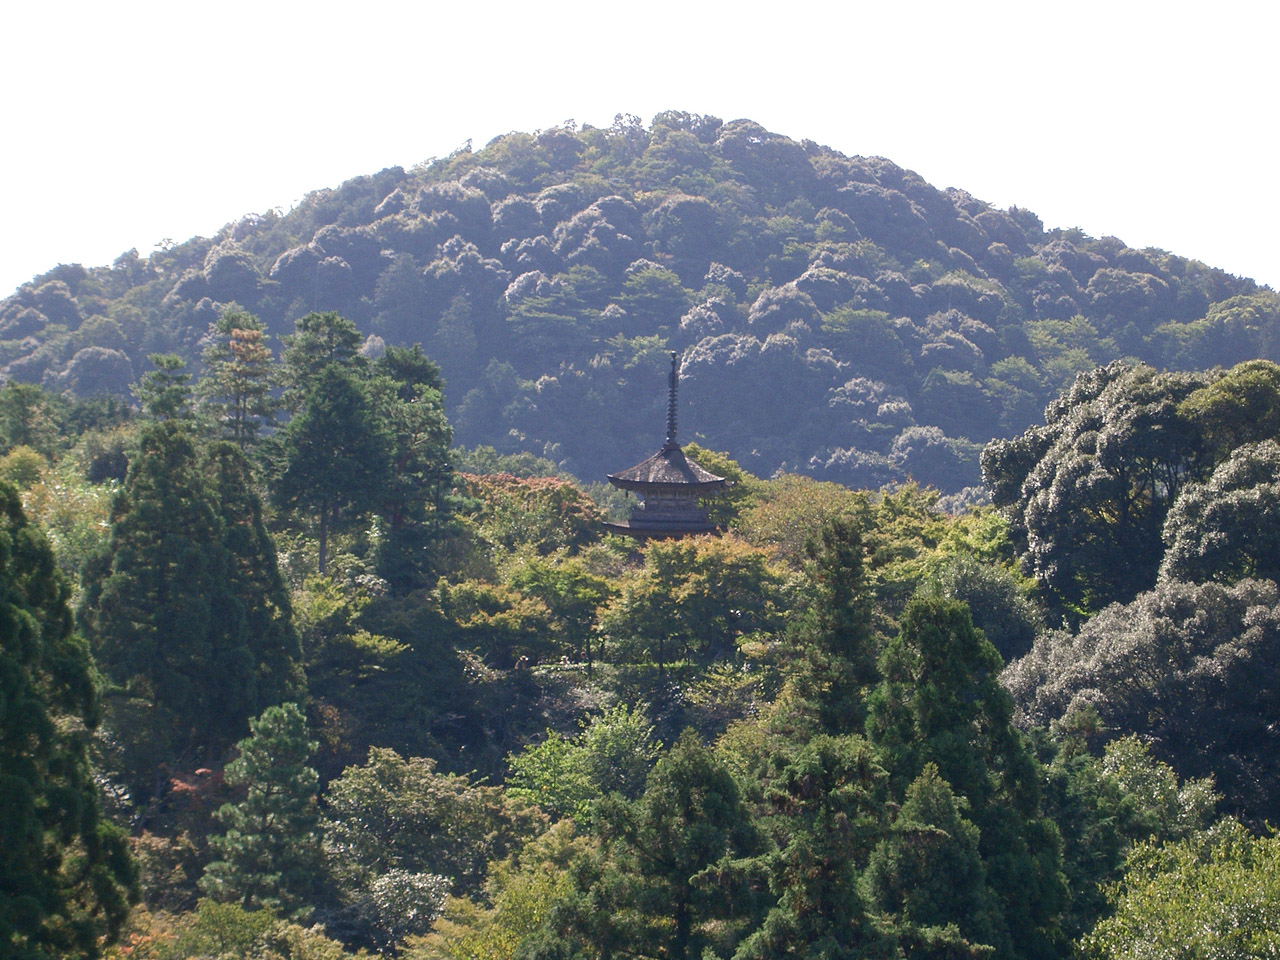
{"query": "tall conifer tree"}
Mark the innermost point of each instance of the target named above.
(336, 454)
(65, 874)
(941, 705)
(270, 854)
(237, 380)
(185, 608)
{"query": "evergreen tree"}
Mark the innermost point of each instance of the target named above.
(165, 392)
(270, 854)
(941, 703)
(185, 609)
(927, 872)
(65, 874)
(828, 804)
(407, 392)
(264, 615)
(319, 341)
(335, 453)
(237, 380)
(835, 635)
(655, 890)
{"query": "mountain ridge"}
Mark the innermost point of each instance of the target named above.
(839, 316)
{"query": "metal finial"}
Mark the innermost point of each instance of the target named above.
(671, 399)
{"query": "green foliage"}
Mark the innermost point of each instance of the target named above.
(407, 399)
(1214, 895)
(499, 623)
(1228, 527)
(335, 453)
(397, 813)
(227, 931)
(319, 341)
(165, 392)
(783, 514)
(655, 888)
(838, 317)
(237, 379)
(22, 467)
(485, 460)
(996, 601)
(929, 874)
(185, 608)
(270, 853)
(65, 874)
(837, 645)
(722, 509)
(29, 417)
(827, 806)
(1242, 406)
(1087, 493)
(521, 890)
(1189, 667)
(568, 776)
(694, 597)
(74, 514)
(542, 513)
(941, 703)
(571, 593)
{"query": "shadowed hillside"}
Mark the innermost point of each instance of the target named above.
(839, 316)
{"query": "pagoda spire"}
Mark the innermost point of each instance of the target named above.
(673, 384)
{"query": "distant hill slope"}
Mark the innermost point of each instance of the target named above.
(839, 316)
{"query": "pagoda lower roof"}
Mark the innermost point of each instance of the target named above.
(668, 468)
(647, 528)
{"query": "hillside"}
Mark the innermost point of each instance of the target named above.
(839, 316)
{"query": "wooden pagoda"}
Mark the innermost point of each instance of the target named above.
(668, 484)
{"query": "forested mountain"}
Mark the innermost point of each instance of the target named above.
(287, 672)
(840, 317)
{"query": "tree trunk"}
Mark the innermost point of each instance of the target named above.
(324, 536)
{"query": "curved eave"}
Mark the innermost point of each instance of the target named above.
(658, 489)
(650, 529)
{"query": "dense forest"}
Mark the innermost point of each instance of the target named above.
(313, 646)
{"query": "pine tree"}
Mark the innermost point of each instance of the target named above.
(165, 392)
(270, 854)
(65, 874)
(319, 341)
(237, 380)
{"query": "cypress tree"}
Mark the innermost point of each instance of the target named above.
(65, 874)
(835, 636)
(941, 705)
(185, 608)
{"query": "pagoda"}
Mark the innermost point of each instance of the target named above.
(668, 484)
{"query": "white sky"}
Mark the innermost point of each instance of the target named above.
(127, 123)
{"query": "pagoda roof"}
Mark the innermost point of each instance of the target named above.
(658, 530)
(669, 467)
